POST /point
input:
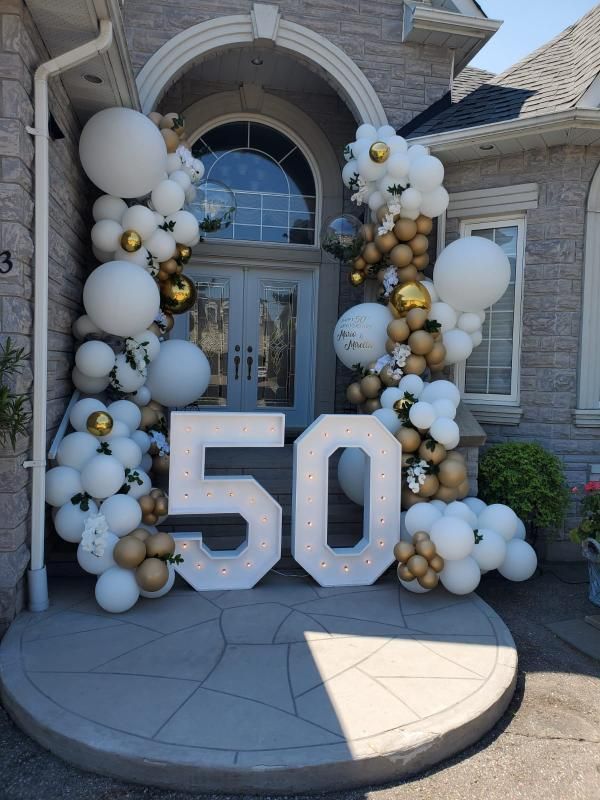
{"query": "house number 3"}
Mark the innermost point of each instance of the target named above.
(5, 262)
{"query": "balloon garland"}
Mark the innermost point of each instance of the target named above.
(154, 211)
(398, 346)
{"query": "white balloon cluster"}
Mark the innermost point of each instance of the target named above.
(472, 538)
(433, 411)
(382, 169)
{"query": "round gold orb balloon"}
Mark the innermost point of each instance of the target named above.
(160, 545)
(429, 580)
(152, 574)
(409, 295)
(184, 253)
(178, 294)
(356, 277)
(403, 551)
(129, 552)
(379, 152)
(161, 506)
(131, 241)
(417, 565)
(100, 423)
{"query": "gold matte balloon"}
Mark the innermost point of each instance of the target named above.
(420, 536)
(169, 266)
(149, 417)
(131, 241)
(371, 253)
(404, 574)
(429, 486)
(417, 565)
(140, 533)
(452, 473)
(160, 464)
(356, 278)
(430, 580)
(156, 492)
(387, 377)
(436, 354)
(150, 518)
(409, 438)
(385, 241)
(446, 494)
(408, 498)
(424, 224)
(409, 273)
(370, 386)
(367, 232)
(171, 140)
(371, 405)
(398, 330)
(169, 322)
(405, 229)
(359, 264)
(390, 346)
(421, 261)
(416, 318)
(178, 294)
(152, 574)
(415, 365)
(161, 506)
(129, 552)
(436, 563)
(409, 295)
(426, 548)
(432, 451)
(100, 423)
(379, 152)
(464, 489)
(184, 253)
(421, 342)
(419, 244)
(354, 394)
(146, 503)
(403, 551)
(401, 255)
(160, 545)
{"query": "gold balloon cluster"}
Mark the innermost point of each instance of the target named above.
(154, 506)
(447, 477)
(404, 247)
(419, 560)
(172, 128)
(99, 423)
(148, 554)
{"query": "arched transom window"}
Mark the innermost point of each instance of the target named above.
(271, 178)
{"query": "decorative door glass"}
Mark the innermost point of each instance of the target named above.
(276, 369)
(209, 329)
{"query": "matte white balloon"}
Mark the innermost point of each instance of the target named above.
(432, 292)
(458, 346)
(82, 410)
(118, 429)
(461, 577)
(126, 378)
(62, 483)
(102, 255)
(462, 511)
(84, 327)
(360, 334)
(475, 504)
(469, 322)
(117, 590)
(122, 152)
(426, 173)
(421, 517)
(123, 514)
(106, 235)
(397, 144)
(69, 521)
(121, 298)
(444, 408)
(352, 468)
(140, 257)
(388, 418)
(174, 162)
(350, 173)
(94, 359)
(88, 385)
(453, 538)
(125, 450)
(109, 207)
(76, 449)
(140, 219)
(412, 384)
(445, 431)
(142, 440)
(179, 375)
(439, 504)
(182, 178)
(141, 397)
(520, 561)
(500, 518)
(411, 199)
(376, 200)
(422, 415)
(137, 489)
(444, 314)
(489, 550)
(127, 412)
(366, 131)
(398, 166)
(161, 245)
(184, 227)
(416, 151)
(146, 462)
(385, 131)
(102, 476)
(521, 530)
(476, 338)
(471, 273)
(167, 197)
(435, 202)
(94, 564)
(441, 390)
(390, 396)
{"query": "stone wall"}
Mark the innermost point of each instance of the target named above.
(551, 297)
(21, 50)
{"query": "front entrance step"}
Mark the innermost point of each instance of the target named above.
(579, 634)
(593, 620)
(285, 688)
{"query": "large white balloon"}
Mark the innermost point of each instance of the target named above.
(184, 226)
(412, 384)
(179, 374)
(117, 590)
(446, 432)
(453, 538)
(462, 511)
(94, 564)
(62, 483)
(461, 577)
(520, 561)
(94, 359)
(123, 513)
(168, 197)
(426, 173)
(76, 449)
(360, 334)
(121, 298)
(489, 550)
(122, 152)
(69, 521)
(351, 474)
(421, 517)
(435, 202)
(475, 504)
(82, 410)
(471, 274)
(438, 390)
(444, 408)
(102, 476)
(500, 518)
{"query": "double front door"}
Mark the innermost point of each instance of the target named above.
(256, 327)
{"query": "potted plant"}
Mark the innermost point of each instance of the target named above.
(587, 533)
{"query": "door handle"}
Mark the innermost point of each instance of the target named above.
(249, 361)
(236, 361)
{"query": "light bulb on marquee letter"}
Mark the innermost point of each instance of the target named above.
(190, 492)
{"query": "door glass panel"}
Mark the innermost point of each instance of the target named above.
(209, 329)
(276, 369)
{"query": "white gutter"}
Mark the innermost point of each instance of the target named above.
(37, 578)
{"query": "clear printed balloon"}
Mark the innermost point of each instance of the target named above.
(214, 206)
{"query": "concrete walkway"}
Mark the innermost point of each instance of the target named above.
(285, 688)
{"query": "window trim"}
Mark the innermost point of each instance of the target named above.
(483, 401)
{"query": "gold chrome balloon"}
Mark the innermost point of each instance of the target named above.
(178, 294)
(131, 241)
(356, 277)
(409, 295)
(100, 423)
(379, 152)
(184, 253)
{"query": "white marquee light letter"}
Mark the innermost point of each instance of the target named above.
(362, 564)
(190, 492)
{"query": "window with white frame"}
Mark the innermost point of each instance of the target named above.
(491, 373)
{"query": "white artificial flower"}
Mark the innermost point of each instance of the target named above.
(390, 279)
(387, 224)
(160, 440)
(362, 195)
(94, 535)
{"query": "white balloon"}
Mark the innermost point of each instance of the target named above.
(136, 489)
(475, 504)
(444, 314)
(94, 564)
(146, 462)
(472, 273)
(125, 377)
(390, 396)
(385, 131)
(421, 517)
(142, 440)
(127, 412)
(469, 322)
(167, 197)
(140, 219)
(412, 384)
(122, 513)
(413, 586)
(432, 292)
(444, 408)
(182, 178)
(453, 537)
(84, 327)
(520, 562)
(106, 235)
(76, 449)
(102, 476)
(376, 200)
(139, 257)
(141, 397)
(489, 550)
(426, 173)
(94, 359)
(389, 418)
(69, 521)
(125, 450)
(476, 338)
(439, 504)
(445, 431)
(398, 165)
(411, 199)
(184, 226)
(122, 152)
(461, 577)
(86, 384)
(118, 429)
(117, 590)
(174, 162)
(417, 151)
(350, 173)
(62, 483)
(462, 511)
(161, 245)
(435, 202)
(121, 298)
(102, 255)
(352, 468)
(360, 334)
(366, 131)
(82, 410)
(179, 375)
(149, 342)
(422, 415)
(397, 144)
(458, 346)
(442, 389)
(109, 207)
(521, 530)
(500, 518)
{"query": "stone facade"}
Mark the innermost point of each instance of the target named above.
(21, 50)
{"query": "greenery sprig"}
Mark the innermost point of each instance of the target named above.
(14, 412)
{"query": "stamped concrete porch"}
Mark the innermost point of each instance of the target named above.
(288, 687)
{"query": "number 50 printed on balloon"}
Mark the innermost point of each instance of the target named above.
(191, 492)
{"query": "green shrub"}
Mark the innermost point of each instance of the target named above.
(529, 479)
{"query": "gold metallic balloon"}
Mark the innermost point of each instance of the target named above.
(409, 295)
(446, 494)
(149, 417)
(419, 244)
(150, 518)
(404, 574)
(415, 365)
(433, 452)
(403, 551)
(160, 545)
(386, 241)
(184, 253)
(379, 152)
(436, 563)
(100, 423)
(417, 565)
(401, 255)
(146, 503)
(129, 552)
(371, 253)
(356, 277)
(429, 580)
(161, 506)
(131, 241)
(424, 224)
(152, 574)
(178, 294)
(408, 498)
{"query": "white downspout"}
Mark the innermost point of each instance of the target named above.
(37, 578)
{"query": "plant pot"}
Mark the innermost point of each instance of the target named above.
(591, 552)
